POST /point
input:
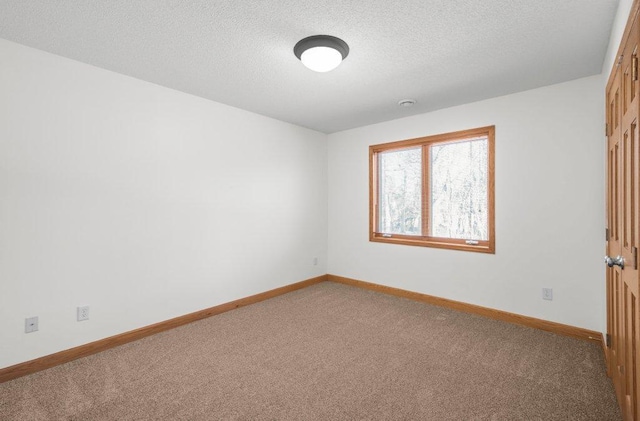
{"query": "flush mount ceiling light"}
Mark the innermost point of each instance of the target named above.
(321, 53)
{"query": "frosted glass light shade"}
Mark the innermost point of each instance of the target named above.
(321, 59)
(321, 53)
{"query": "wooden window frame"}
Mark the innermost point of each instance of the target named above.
(487, 246)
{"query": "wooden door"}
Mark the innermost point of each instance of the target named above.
(623, 170)
(615, 351)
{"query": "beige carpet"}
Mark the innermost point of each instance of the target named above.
(329, 352)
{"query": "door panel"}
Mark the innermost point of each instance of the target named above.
(623, 204)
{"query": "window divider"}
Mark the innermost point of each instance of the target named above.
(426, 191)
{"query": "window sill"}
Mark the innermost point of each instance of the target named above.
(407, 240)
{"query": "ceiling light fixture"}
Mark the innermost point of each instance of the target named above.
(321, 53)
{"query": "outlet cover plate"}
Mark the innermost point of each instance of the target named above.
(83, 313)
(547, 294)
(31, 324)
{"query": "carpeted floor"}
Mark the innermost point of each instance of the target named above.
(328, 352)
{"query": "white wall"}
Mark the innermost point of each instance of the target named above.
(141, 202)
(147, 203)
(549, 207)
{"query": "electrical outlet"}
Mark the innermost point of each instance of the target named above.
(547, 294)
(315, 261)
(83, 313)
(30, 324)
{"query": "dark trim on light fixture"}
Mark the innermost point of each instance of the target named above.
(321, 41)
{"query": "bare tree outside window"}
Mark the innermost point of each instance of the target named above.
(401, 191)
(459, 190)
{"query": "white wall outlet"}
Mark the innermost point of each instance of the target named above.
(30, 324)
(83, 313)
(547, 294)
(315, 261)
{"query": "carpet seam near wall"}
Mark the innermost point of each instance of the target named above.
(505, 316)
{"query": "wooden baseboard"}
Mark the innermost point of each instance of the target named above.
(505, 316)
(48, 361)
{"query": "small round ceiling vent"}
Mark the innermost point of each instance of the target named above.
(407, 102)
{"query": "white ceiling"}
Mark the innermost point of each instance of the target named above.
(439, 52)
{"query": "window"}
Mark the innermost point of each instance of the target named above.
(435, 191)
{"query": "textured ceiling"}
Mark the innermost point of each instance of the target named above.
(240, 53)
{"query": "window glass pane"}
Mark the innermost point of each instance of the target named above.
(400, 194)
(459, 190)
